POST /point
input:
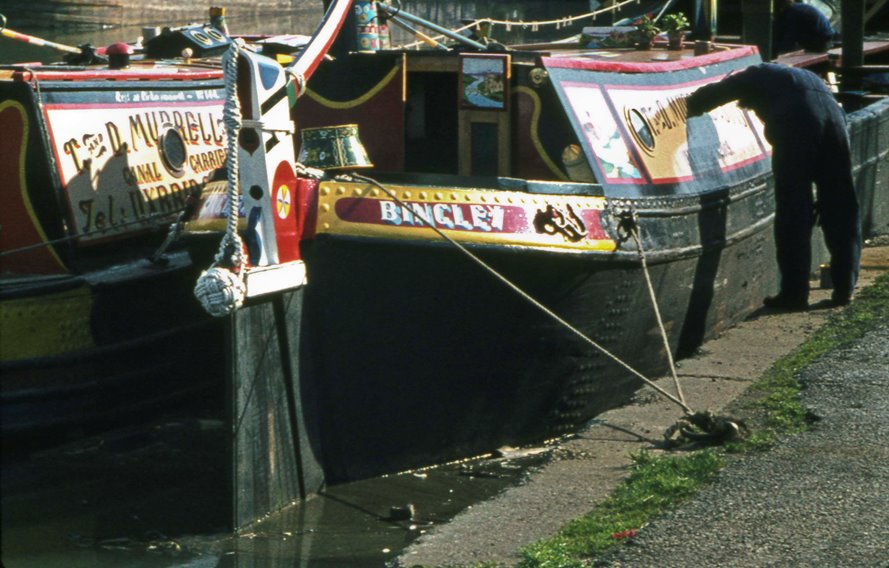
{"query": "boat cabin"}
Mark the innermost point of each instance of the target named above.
(613, 118)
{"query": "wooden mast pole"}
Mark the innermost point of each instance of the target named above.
(852, 14)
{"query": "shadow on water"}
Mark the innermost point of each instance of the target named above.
(156, 496)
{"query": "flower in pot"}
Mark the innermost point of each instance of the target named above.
(675, 26)
(645, 32)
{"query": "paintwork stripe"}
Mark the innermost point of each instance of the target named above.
(273, 100)
(46, 325)
(355, 201)
(649, 67)
(23, 185)
(357, 101)
(271, 143)
(535, 137)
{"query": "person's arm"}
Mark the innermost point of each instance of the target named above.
(716, 94)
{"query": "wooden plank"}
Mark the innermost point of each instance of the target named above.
(433, 64)
(275, 452)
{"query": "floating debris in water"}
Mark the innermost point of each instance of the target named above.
(402, 512)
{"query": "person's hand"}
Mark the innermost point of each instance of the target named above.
(692, 108)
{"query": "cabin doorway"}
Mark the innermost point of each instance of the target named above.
(431, 123)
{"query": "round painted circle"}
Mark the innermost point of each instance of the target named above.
(282, 202)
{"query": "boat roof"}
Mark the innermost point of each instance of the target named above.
(145, 70)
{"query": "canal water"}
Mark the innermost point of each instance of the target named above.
(156, 494)
(307, 14)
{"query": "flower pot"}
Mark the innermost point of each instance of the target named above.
(674, 40)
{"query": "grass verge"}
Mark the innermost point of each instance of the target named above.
(660, 483)
(772, 407)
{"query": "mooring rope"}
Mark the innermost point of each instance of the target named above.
(634, 231)
(522, 293)
(148, 220)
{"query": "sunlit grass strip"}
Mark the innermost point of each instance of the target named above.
(776, 396)
(656, 484)
(660, 484)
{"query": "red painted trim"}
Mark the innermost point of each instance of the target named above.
(32, 74)
(585, 64)
(746, 162)
(150, 104)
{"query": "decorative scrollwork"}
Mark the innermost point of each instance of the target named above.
(554, 220)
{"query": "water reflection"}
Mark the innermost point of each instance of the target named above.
(305, 17)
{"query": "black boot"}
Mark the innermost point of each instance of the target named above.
(840, 297)
(787, 302)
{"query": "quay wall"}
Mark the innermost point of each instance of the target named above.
(869, 134)
(91, 14)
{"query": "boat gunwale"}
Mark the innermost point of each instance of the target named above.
(658, 208)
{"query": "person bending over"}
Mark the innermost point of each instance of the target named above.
(810, 144)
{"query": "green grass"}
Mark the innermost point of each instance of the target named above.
(656, 484)
(773, 402)
(660, 483)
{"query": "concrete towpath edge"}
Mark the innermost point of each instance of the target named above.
(586, 468)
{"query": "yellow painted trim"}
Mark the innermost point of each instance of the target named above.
(46, 325)
(354, 102)
(22, 183)
(535, 138)
(331, 192)
(404, 78)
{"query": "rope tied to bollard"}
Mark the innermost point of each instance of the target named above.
(695, 427)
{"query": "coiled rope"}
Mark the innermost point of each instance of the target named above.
(221, 290)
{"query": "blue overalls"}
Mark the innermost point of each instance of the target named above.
(810, 144)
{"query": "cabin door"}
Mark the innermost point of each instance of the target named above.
(484, 143)
(430, 123)
(443, 134)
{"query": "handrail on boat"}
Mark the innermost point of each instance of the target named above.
(322, 38)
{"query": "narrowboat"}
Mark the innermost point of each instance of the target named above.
(507, 234)
(485, 262)
(545, 163)
(103, 157)
(97, 163)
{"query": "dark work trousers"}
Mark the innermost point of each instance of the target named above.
(810, 145)
(816, 153)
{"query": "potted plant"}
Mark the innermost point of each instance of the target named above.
(645, 32)
(675, 26)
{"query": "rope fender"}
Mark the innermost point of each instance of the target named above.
(221, 290)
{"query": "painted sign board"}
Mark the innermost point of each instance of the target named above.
(633, 126)
(466, 215)
(116, 174)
